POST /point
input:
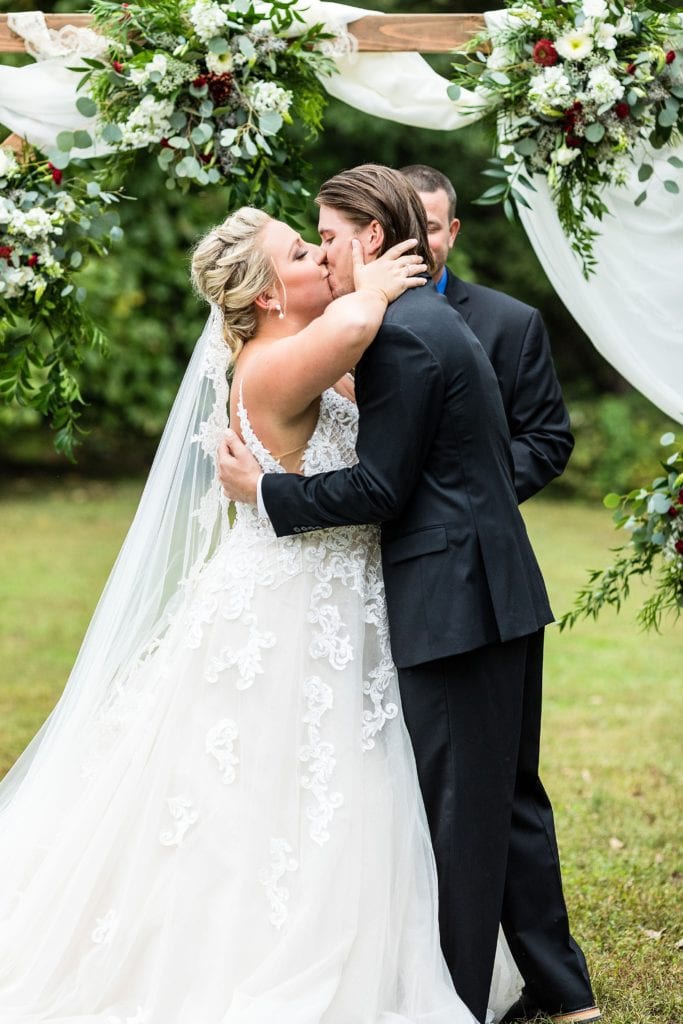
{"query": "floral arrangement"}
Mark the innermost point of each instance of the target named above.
(580, 89)
(49, 224)
(654, 518)
(208, 87)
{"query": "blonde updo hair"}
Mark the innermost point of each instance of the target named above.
(230, 269)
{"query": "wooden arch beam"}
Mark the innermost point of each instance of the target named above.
(376, 33)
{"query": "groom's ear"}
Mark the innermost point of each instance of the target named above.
(373, 239)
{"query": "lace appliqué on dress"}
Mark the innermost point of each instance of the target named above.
(318, 755)
(184, 815)
(278, 895)
(220, 743)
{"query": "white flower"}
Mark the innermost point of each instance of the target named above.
(574, 45)
(603, 87)
(13, 280)
(266, 97)
(35, 223)
(605, 36)
(565, 155)
(207, 19)
(624, 27)
(220, 63)
(148, 122)
(501, 57)
(550, 91)
(65, 204)
(526, 13)
(8, 164)
(140, 76)
(594, 8)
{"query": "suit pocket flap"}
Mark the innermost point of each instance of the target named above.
(422, 542)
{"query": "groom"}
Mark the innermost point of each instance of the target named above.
(466, 603)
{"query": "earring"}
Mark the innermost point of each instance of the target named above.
(280, 314)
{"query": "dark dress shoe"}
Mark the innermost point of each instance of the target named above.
(526, 1010)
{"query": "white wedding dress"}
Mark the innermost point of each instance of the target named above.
(237, 834)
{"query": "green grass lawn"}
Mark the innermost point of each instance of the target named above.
(612, 730)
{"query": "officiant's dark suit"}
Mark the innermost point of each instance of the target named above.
(467, 606)
(514, 338)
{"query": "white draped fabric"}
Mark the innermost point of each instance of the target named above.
(631, 309)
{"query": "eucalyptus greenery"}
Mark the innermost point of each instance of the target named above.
(49, 226)
(209, 89)
(654, 518)
(578, 90)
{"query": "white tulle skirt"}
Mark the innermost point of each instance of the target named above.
(236, 835)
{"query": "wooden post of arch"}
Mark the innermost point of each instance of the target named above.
(375, 33)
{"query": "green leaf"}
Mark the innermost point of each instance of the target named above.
(526, 147)
(65, 141)
(112, 134)
(92, 188)
(595, 132)
(667, 439)
(179, 142)
(178, 120)
(667, 117)
(201, 133)
(499, 77)
(677, 90)
(496, 190)
(454, 92)
(611, 500)
(641, 199)
(645, 171)
(675, 161)
(270, 123)
(247, 47)
(219, 45)
(82, 140)
(671, 186)
(116, 233)
(76, 259)
(86, 106)
(59, 159)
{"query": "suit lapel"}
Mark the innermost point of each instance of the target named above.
(458, 296)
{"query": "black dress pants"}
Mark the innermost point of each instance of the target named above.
(474, 720)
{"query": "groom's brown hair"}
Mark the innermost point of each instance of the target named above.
(374, 192)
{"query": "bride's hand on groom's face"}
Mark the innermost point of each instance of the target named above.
(238, 470)
(392, 273)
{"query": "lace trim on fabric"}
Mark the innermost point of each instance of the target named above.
(45, 43)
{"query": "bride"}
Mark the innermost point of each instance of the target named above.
(220, 822)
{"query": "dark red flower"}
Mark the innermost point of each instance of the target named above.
(671, 56)
(199, 81)
(679, 546)
(680, 497)
(117, 66)
(630, 69)
(544, 53)
(622, 110)
(573, 141)
(5, 252)
(220, 87)
(33, 260)
(164, 143)
(673, 511)
(56, 174)
(205, 157)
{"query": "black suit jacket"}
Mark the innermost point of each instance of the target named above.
(514, 337)
(435, 470)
